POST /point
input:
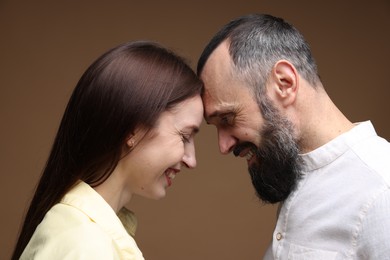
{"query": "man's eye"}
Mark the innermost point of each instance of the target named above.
(227, 120)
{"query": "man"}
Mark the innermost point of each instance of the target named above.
(332, 177)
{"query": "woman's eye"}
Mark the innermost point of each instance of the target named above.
(185, 137)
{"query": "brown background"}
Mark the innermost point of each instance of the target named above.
(210, 212)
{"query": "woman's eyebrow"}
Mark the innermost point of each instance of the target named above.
(194, 129)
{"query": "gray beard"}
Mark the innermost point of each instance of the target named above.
(278, 165)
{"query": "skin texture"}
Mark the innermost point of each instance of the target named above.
(155, 156)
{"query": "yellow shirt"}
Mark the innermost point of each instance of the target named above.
(84, 226)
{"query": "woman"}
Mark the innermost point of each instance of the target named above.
(127, 130)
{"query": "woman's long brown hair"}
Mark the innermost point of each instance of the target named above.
(127, 87)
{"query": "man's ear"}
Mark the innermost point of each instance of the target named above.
(285, 83)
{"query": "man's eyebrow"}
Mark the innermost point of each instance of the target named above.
(214, 114)
(218, 113)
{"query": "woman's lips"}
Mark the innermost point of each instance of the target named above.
(170, 174)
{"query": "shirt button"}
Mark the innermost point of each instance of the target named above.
(279, 236)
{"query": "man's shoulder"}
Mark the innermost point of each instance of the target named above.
(374, 154)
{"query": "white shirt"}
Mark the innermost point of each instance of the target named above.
(84, 226)
(341, 207)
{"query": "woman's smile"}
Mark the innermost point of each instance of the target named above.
(170, 174)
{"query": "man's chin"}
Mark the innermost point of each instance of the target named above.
(272, 187)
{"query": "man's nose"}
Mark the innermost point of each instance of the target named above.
(226, 141)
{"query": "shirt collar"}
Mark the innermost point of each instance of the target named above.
(86, 199)
(329, 152)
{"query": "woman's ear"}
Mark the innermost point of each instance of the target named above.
(135, 137)
(130, 141)
(285, 82)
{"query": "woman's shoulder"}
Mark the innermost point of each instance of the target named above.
(67, 231)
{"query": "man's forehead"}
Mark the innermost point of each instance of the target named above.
(208, 103)
(220, 87)
(219, 61)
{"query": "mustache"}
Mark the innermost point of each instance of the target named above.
(242, 146)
